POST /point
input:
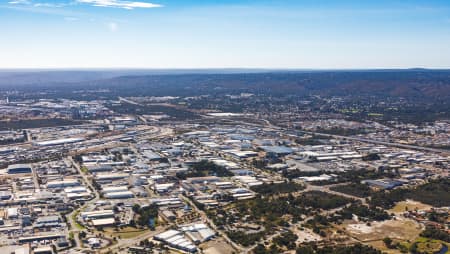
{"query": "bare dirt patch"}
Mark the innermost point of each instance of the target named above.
(217, 246)
(400, 229)
(306, 235)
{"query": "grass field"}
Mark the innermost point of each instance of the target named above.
(424, 245)
(401, 207)
(126, 232)
(430, 246)
(381, 246)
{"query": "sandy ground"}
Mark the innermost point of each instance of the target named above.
(306, 235)
(217, 246)
(401, 229)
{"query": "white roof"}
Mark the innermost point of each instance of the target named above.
(168, 234)
(119, 194)
(75, 189)
(111, 176)
(59, 141)
(77, 194)
(206, 233)
(13, 211)
(101, 222)
(115, 189)
(174, 238)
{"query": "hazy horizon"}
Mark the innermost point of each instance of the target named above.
(262, 69)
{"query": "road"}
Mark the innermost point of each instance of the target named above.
(70, 217)
(309, 187)
(84, 176)
(212, 225)
(123, 243)
(326, 189)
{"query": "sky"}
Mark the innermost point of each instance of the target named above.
(281, 34)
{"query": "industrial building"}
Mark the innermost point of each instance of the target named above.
(62, 184)
(277, 151)
(119, 195)
(97, 214)
(103, 222)
(177, 240)
(58, 142)
(384, 183)
(19, 169)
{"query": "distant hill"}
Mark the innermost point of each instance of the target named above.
(416, 83)
(41, 77)
(420, 83)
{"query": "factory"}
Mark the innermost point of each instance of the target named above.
(198, 232)
(176, 240)
(315, 156)
(110, 177)
(103, 222)
(47, 221)
(63, 183)
(119, 195)
(97, 214)
(277, 151)
(19, 169)
(56, 142)
(113, 189)
(386, 184)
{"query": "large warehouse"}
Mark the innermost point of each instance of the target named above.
(56, 142)
(19, 169)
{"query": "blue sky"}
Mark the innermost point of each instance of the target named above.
(224, 34)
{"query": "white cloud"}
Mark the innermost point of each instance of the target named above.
(49, 5)
(37, 4)
(119, 4)
(19, 2)
(113, 26)
(124, 4)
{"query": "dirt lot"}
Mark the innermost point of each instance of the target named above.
(400, 229)
(217, 246)
(306, 235)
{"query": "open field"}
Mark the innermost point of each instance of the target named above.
(402, 206)
(424, 245)
(430, 245)
(381, 246)
(400, 229)
(36, 123)
(125, 233)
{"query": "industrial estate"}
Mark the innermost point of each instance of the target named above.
(232, 172)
